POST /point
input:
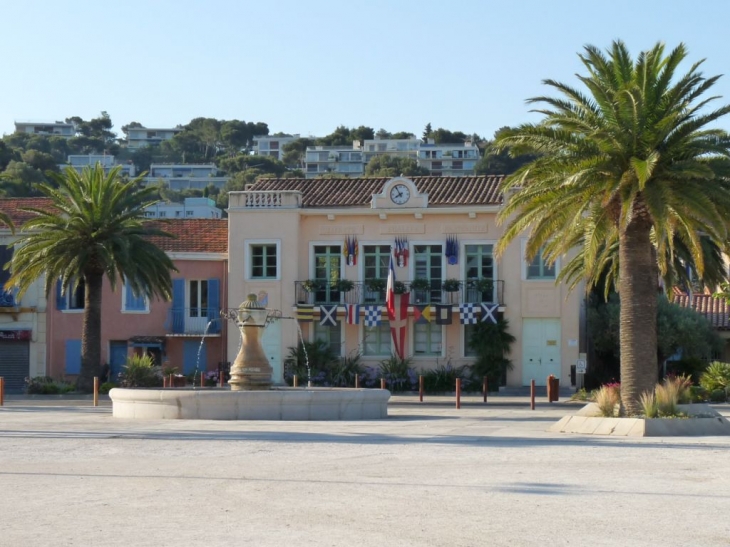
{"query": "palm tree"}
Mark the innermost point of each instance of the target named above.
(630, 168)
(5, 219)
(95, 228)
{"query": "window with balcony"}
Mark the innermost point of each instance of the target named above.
(428, 264)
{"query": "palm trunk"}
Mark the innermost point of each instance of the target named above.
(638, 329)
(91, 333)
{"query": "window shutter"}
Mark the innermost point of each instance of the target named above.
(178, 306)
(214, 306)
(73, 356)
(60, 297)
(132, 301)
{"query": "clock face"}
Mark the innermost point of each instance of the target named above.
(400, 194)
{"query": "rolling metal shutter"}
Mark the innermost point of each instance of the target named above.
(14, 364)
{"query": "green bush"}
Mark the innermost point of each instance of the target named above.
(342, 371)
(106, 387)
(716, 376)
(398, 374)
(697, 394)
(140, 372)
(492, 343)
(442, 378)
(321, 359)
(718, 396)
(45, 385)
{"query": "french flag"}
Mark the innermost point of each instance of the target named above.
(397, 306)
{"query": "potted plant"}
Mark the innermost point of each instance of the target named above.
(400, 288)
(451, 285)
(482, 285)
(376, 285)
(311, 285)
(344, 285)
(420, 284)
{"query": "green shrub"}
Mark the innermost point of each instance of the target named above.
(581, 395)
(442, 378)
(690, 366)
(398, 374)
(140, 372)
(649, 405)
(607, 397)
(697, 394)
(718, 396)
(492, 343)
(106, 387)
(716, 376)
(342, 371)
(667, 396)
(320, 356)
(45, 385)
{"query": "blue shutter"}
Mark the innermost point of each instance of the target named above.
(190, 357)
(214, 299)
(178, 306)
(73, 356)
(60, 297)
(132, 302)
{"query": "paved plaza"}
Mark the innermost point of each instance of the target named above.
(70, 474)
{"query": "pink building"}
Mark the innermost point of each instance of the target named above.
(186, 332)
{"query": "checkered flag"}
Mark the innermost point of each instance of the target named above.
(373, 315)
(468, 314)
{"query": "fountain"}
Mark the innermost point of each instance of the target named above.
(251, 395)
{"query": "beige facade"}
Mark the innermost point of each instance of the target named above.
(301, 226)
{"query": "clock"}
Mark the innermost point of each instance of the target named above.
(400, 194)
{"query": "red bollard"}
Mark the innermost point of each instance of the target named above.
(532, 394)
(357, 381)
(485, 387)
(420, 389)
(458, 393)
(96, 391)
(171, 381)
(382, 383)
(202, 380)
(550, 386)
(295, 381)
(164, 382)
(222, 378)
(2, 391)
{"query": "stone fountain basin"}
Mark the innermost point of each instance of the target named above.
(277, 403)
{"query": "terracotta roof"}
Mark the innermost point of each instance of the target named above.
(715, 310)
(11, 207)
(442, 191)
(194, 235)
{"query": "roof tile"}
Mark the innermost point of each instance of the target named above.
(715, 310)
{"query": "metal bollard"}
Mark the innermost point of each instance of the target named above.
(485, 387)
(295, 381)
(357, 381)
(2, 391)
(458, 393)
(532, 394)
(96, 391)
(420, 389)
(382, 383)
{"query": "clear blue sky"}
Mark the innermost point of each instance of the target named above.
(306, 67)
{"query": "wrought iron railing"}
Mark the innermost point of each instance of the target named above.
(193, 321)
(322, 292)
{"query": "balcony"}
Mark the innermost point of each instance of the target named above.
(265, 199)
(193, 321)
(363, 293)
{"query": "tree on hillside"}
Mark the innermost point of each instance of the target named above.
(392, 166)
(243, 162)
(294, 152)
(20, 180)
(427, 132)
(344, 136)
(631, 159)
(500, 160)
(96, 228)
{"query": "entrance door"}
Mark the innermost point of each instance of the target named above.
(540, 350)
(14, 364)
(271, 344)
(117, 359)
(191, 362)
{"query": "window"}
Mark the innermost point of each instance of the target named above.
(327, 263)
(263, 260)
(468, 333)
(427, 339)
(332, 336)
(479, 262)
(428, 265)
(132, 302)
(163, 214)
(376, 259)
(539, 269)
(70, 299)
(189, 213)
(198, 298)
(376, 340)
(6, 297)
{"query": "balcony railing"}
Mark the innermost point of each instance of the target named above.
(193, 321)
(265, 199)
(8, 298)
(325, 293)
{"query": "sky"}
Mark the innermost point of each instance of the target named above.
(307, 67)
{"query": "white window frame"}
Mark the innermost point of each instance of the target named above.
(313, 244)
(188, 308)
(412, 340)
(362, 341)
(462, 257)
(341, 353)
(248, 263)
(66, 294)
